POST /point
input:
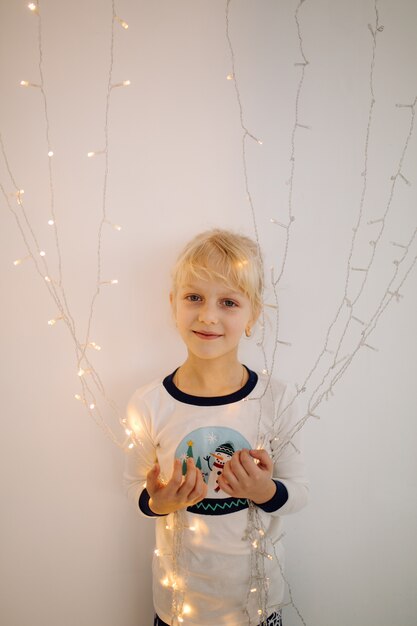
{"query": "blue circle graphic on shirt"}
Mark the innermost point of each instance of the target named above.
(211, 448)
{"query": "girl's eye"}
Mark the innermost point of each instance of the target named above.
(193, 298)
(229, 303)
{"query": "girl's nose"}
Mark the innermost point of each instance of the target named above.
(208, 314)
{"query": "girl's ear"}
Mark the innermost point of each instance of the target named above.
(172, 302)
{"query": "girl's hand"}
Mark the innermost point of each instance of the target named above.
(243, 478)
(179, 492)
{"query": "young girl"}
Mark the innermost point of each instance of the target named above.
(205, 437)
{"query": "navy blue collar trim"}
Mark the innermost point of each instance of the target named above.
(211, 400)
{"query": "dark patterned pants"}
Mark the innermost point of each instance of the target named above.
(273, 620)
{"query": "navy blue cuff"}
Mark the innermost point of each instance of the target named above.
(144, 505)
(278, 499)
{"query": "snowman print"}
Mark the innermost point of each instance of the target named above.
(216, 461)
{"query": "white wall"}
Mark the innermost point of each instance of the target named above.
(73, 551)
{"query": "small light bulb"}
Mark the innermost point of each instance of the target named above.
(115, 226)
(42, 253)
(126, 83)
(50, 153)
(32, 6)
(259, 611)
(51, 222)
(131, 445)
(81, 372)
(77, 396)
(157, 552)
(90, 154)
(229, 77)
(253, 590)
(19, 261)
(260, 142)
(114, 282)
(128, 431)
(165, 582)
(192, 528)
(254, 544)
(92, 406)
(24, 83)
(48, 280)
(186, 609)
(180, 619)
(122, 23)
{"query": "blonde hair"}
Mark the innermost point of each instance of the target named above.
(226, 256)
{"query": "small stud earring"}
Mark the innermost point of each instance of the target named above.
(248, 331)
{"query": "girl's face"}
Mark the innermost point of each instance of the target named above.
(211, 317)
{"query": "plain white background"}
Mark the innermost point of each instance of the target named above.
(73, 551)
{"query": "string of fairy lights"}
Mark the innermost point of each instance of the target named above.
(88, 375)
(259, 582)
(338, 364)
(335, 364)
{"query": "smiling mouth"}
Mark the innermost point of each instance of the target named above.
(206, 336)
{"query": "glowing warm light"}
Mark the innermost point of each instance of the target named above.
(51, 222)
(92, 406)
(128, 431)
(81, 372)
(77, 396)
(124, 83)
(253, 590)
(131, 445)
(115, 226)
(26, 83)
(42, 253)
(50, 153)
(254, 544)
(259, 611)
(260, 142)
(157, 552)
(48, 280)
(186, 609)
(229, 77)
(165, 582)
(114, 282)
(122, 23)
(32, 6)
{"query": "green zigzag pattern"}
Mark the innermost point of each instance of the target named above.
(218, 505)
